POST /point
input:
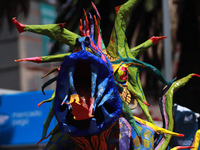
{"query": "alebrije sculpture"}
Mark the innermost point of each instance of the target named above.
(96, 84)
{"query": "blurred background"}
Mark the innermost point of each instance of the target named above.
(146, 20)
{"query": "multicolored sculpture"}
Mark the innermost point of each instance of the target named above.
(95, 85)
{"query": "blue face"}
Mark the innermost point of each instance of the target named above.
(85, 85)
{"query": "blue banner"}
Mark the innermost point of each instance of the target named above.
(21, 121)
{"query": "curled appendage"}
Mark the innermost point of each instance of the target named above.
(181, 147)
(196, 139)
(48, 83)
(158, 129)
(166, 109)
(47, 123)
(147, 67)
(19, 26)
(48, 100)
(135, 104)
(51, 71)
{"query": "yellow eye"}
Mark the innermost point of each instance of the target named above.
(121, 73)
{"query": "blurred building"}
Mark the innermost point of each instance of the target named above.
(26, 76)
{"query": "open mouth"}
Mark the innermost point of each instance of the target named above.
(87, 100)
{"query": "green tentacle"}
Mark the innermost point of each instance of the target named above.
(48, 83)
(168, 107)
(48, 100)
(147, 67)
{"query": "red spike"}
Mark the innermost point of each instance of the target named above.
(40, 104)
(96, 24)
(147, 104)
(195, 75)
(95, 8)
(87, 24)
(62, 25)
(117, 9)
(184, 147)
(19, 26)
(81, 28)
(156, 39)
(99, 43)
(181, 135)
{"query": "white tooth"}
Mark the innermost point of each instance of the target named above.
(71, 80)
(100, 90)
(94, 73)
(65, 98)
(108, 96)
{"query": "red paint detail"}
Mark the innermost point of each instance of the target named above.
(112, 42)
(91, 105)
(99, 43)
(181, 135)
(48, 136)
(80, 112)
(147, 104)
(125, 73)
(81, 28)
(195, 75)
(97, 27)
(62, 25)
(140, 138)
(40, 104)
(39, 142)
(184, 147)
(19, 26)
(156, 39)
(117, 9)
